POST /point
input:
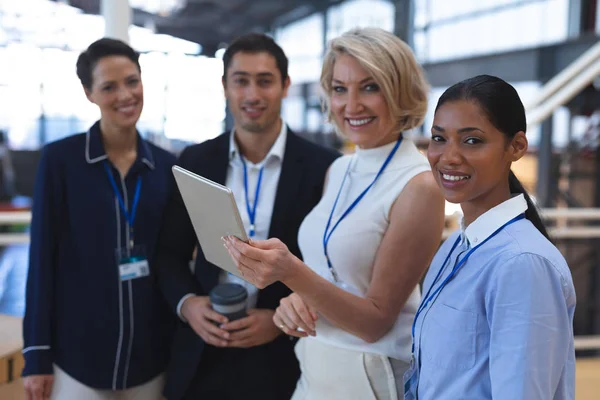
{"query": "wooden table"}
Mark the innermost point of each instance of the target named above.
(11, 359)
(12, 391)
(11, 344)
(587, 379)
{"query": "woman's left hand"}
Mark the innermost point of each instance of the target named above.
(261, 262)
(294, 317)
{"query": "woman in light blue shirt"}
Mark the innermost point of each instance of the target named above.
(495, 321)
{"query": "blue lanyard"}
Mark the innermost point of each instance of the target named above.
(327, 233)
(251, 210)
(429, 297)
(136, 198)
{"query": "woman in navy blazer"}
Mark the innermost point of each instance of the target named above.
(95, 322)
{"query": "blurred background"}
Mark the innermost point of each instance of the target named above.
(548, 49)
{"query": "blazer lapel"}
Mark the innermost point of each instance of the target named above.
(215, 169)
(215, 166)
(288, 187)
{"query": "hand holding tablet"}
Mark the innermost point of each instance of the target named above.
(214, 214)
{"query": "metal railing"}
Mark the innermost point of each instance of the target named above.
(587, 342)
(564, 86)
(14, 218)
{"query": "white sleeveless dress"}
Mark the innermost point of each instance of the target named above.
(336, 364)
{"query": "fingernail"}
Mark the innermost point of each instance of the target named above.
(223, 238)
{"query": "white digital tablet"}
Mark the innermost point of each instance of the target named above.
(214, 214)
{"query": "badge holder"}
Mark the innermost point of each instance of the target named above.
(411, 380)
(335, 279)
(132, 262)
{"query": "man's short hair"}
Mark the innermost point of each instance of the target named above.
(256, 43)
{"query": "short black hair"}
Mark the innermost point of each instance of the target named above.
(256, 43)
(105, 47)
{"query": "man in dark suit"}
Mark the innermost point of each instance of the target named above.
(277, 178)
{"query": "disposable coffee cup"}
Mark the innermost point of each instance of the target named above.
(229, 300)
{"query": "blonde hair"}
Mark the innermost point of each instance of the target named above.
(391, 64)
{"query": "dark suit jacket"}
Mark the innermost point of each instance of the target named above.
(300, 188)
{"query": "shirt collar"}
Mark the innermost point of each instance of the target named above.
(491, 220)
(94, 148)
(277, 150)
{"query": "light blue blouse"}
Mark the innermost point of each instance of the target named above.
(502, 328)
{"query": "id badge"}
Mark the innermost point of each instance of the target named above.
(337, 281)
(349, 289)
(132, 263)
(411, 380)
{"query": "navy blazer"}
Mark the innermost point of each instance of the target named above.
(300, 188)
(105, 333)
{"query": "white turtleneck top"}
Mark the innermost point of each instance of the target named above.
(354, 243)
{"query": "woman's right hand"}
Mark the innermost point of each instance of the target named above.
(294, 314)
(38, 387)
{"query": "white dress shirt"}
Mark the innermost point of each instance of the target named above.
(264, 208)
(502, 327)
(266, 199)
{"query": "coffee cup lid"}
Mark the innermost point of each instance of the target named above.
(228, 293)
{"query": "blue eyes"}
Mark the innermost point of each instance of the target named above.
(371, 87)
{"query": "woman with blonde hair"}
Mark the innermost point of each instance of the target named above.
(369, 240)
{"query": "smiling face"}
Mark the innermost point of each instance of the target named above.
(254, 90)
(117, 90)
(358, 105)
(470, 157)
